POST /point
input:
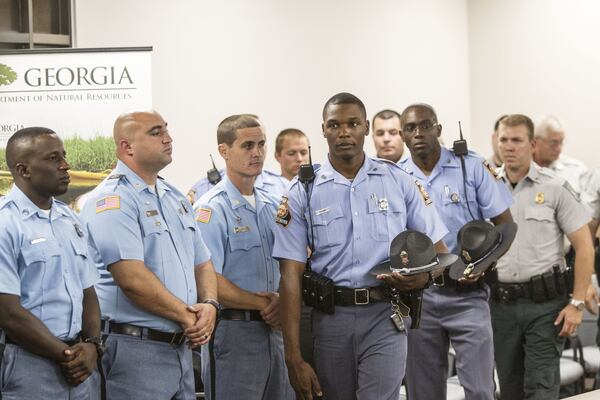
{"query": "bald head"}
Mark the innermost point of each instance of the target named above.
(126, 124)
(19, 147)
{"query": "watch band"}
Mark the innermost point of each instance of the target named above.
(98, 342)
(214, 303)
(579, 304)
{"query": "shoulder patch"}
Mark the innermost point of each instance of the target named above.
(203, 215)
(283, 216)
(108, 203)
(426, 197)
(491, 169)
(570, 189)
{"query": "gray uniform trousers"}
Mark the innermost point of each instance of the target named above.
(27, 376)
(138, 369)
(250, 363)
(359, 354)
(463, 319)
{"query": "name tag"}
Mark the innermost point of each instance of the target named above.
(151, 213)
(241, 229)
(322, 211)
(38, 240)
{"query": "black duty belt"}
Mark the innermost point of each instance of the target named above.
(143, 333)
(233, 314)
(344, 296)
(512, 291)
(67, 342)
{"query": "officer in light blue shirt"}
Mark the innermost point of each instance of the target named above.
(48, 307)
(237, 223)
(457, 312)
(268, 182)
(357, 206)
(154, 266)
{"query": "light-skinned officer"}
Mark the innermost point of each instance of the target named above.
(154, 268)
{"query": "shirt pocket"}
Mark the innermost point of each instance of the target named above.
(328, 226)
(42, 267)
(456, 212)
(152, 226)
(243, 241)
(378, 217)
(541, 225)
(80, 248)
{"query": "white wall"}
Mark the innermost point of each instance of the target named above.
(536, 57)
(282, 59)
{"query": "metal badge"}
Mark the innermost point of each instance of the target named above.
(404, 258)
(454, 197)
(383, 204)
(151, 213)
(78, 230)
(539, 198)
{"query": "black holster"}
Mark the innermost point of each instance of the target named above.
(414, 300)
(318, 291)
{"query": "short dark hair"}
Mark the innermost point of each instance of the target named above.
(418, 105)
(289, 132)
(19, 138)
(226, 132)
(513, 120)
(497, 123)
(345, 98)
(385, 114)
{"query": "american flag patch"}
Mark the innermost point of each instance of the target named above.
(203, 215)
(108, 203)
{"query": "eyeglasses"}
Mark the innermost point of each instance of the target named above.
(422, 126)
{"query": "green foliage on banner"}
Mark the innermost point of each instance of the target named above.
(7, 75)
(3, 165)
(92, 155)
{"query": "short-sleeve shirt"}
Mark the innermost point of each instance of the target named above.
(267, 181)
(128, 220)
(486, 195)
(590, 195)
(45, 260)
(546, 208)
(353, 221)
(240, 236)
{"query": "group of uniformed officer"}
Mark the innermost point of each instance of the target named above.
(229, 273)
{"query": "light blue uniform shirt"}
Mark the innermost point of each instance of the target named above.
(355, 221)
(267, 181)
(239, 237)
(487, 196)
(46, 261)
(127, 221)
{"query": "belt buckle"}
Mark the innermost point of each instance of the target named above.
(361, 297)
(174, 342)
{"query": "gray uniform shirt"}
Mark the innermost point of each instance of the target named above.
(546, 207)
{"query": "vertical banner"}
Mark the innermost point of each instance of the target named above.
(78, 93)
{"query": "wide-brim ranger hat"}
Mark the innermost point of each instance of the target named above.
(412, 252)
(480, 245)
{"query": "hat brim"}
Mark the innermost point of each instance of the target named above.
(508, 231)
(446, 259)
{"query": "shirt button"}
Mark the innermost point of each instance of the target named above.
(429, 184)
(352, 190)
(515, 274)
(357, 238)
(356, 262)
(355, 212)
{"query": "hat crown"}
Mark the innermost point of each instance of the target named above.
(412, 249)
(476, 239)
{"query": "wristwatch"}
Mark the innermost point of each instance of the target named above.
(215, 304)
(98, 342)
(578, 304)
